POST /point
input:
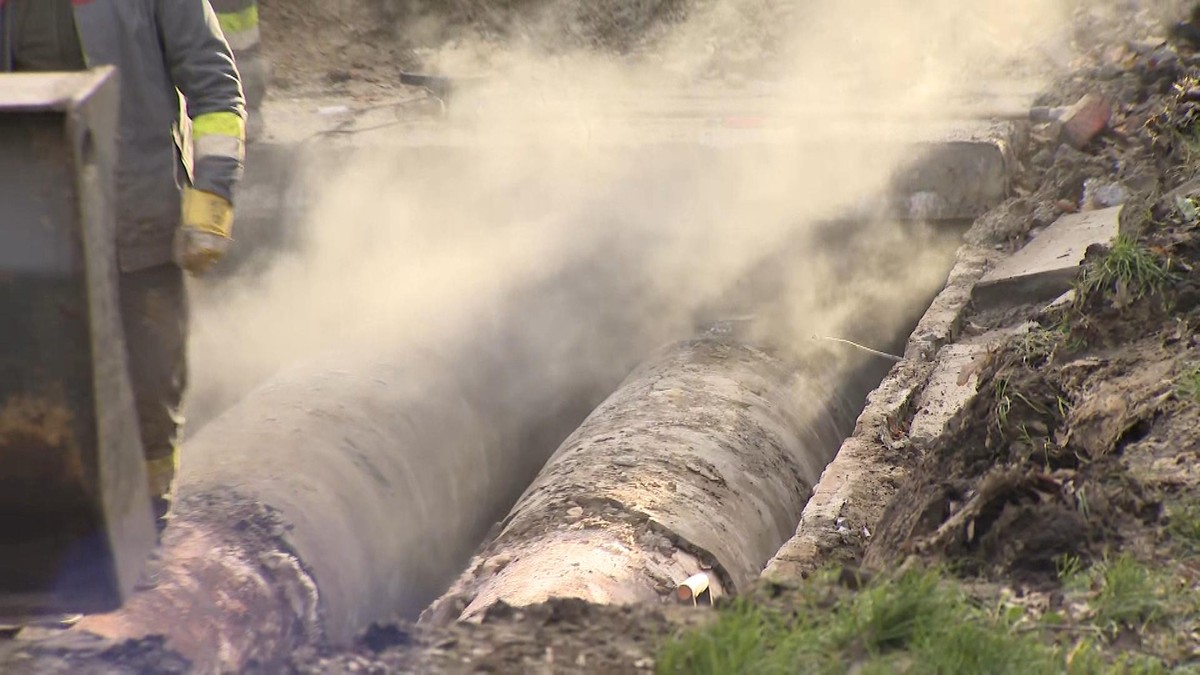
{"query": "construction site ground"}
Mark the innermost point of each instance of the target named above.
(1049, 521)
(1052, 526)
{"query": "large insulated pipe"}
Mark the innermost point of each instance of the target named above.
(355, 488)
(701, 461)
(336, 494)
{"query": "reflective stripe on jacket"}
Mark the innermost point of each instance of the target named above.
(159, 47)
(239, 22)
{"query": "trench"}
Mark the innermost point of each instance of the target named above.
(379, 481)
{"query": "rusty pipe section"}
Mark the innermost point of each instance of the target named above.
(700, 462)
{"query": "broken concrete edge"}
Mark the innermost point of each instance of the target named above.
(862, 479)
(866, 473)
(1046, 267)
(855, 489)
(958, 177)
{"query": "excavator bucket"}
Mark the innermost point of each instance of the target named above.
(75, 519)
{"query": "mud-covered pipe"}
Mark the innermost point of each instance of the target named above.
(702, 460)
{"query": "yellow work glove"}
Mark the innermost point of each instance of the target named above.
(204, 231)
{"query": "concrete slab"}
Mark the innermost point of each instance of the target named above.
(1047, 266)
(958, 169)
(960, 154)
(953, 383)
(956, 177)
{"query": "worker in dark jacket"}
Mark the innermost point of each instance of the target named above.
(174, 199)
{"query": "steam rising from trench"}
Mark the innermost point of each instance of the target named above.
(579, 181)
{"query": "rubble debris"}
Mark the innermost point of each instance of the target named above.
(1084, 120)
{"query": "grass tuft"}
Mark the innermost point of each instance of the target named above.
(912, 623)
(745, 639)
(1184, 526)
(1130, 594)
(1187, 385)
(1071, 572)
(1129, 271)
(1040, 344)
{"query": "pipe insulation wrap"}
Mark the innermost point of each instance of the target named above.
(704, 457)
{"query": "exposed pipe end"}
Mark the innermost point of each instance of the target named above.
(224, 591)
(695, 590)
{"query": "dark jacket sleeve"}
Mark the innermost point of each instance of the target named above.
(201, 66)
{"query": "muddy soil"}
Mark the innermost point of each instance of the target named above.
(1081, 442)
(1084, 437)
(561, 636)
(1074, 401)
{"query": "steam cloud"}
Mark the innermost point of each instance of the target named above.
(574, 178)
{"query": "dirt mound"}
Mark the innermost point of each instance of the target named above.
(562, 636)
(617, 25)
(1037, 468)
(344, 44)
(1083, 439)
(359, 47)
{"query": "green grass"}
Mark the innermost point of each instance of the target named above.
(924, 622)
(1039, 344)
(1071, 572)
(913, 623)
(746, 639)
(1129, 269)
(1184, 526)
(1187, 385)
(1130, 594)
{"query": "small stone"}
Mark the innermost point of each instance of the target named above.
(1098, 194)
(574, 513)
(494, 564)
